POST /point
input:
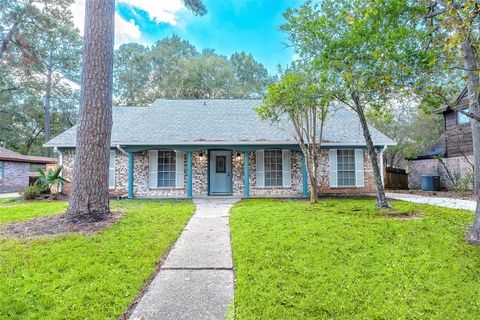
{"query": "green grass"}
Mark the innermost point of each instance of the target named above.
(85, 277)
(343, 259)
(24, 210)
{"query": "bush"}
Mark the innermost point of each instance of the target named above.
(464, 183)
(32, 192)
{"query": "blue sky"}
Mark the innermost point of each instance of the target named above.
(242, 25)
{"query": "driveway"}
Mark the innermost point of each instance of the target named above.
(436, 201)
(196, 281)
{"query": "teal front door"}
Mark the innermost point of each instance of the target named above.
(220, 172)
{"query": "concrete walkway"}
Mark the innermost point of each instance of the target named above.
(10, 195)
(196, 280)
(436, 201)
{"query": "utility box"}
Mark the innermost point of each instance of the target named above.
(430, 183)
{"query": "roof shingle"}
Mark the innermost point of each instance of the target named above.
(183, 122)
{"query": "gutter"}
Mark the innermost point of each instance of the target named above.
(236, 143)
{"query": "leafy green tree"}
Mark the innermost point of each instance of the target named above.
(206, 76)
(131, 75)
(357, 47)
(297, 99)
(454, 41)
(164, 57)
(252, 77)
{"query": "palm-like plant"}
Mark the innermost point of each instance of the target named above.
(51, 178)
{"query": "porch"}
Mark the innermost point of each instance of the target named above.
(216, 170)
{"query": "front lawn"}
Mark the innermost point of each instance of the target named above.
(85, 277)
(344, 259)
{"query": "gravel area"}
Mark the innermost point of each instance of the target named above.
(436, 201)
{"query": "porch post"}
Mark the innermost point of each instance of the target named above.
(130, 175)
(189, 174)
(304, 178)
(246, 183)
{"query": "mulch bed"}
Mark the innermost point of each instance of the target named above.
(58, 224)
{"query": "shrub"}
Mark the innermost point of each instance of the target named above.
(464, 183)
(32, 192)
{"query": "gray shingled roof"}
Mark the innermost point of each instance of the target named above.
(184, 122)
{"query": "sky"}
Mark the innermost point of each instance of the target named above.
(252, 26)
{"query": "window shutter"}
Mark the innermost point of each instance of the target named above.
(332, 161)
(260, 170)
(153, 168)
(286, 168)
(180, 176)
(359, 174)
(111, 170)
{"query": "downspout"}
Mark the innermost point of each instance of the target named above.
(122, 150)
(382, 173)
(60, 162)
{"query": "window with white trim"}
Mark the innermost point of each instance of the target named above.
(346, 168)
(273, 168)
(166, 169)
(462, 118)
(2, 168)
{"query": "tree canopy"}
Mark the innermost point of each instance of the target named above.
(173, 68)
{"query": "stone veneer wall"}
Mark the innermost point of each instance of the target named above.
(15, 176)
(369, 183)
(200, 176)
(456, 165)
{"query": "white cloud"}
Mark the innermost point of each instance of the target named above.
(158, 10)
(125, 31)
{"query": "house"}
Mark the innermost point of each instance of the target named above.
(455, 147)
(16, 169)
(185, 148)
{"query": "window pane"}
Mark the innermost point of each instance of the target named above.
(166, 169)
(273, 168)
(346, 167)
(462, 118)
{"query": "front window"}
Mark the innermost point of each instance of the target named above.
(273, 168)
(1, 169)
(462, 118)
(166, 169)
(346, 167)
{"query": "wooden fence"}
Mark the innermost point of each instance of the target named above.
(396, 178)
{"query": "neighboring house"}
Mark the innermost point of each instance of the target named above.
(16, 169)
(455, 147)
(185, 148)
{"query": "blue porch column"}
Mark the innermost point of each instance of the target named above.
(130, 175)
(304, 178)
(246, 183)
(189, 174)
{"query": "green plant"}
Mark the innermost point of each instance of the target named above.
(51, 178)
(32, 192)
(463, 183)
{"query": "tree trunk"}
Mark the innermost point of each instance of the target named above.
(372, 154)
(9, 36)
(89, 197)
(48, 94)
(471, 65)
(312, 165)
